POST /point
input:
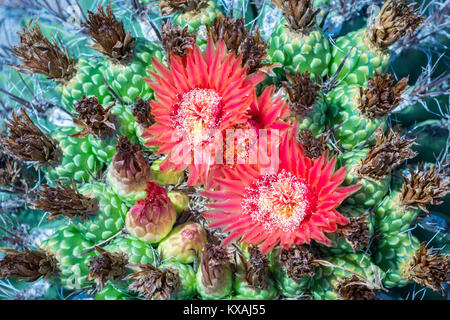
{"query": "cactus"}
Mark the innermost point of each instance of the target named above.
(119, 180)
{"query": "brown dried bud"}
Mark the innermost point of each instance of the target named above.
(427, 269)
(94, 119)
(109, 35)
(40, 56)
(253, 52)
(352, 288)
(390, 150)
(27, 266)
(314, 147)
(256, 268)
(107, 266)
(249, 46)
(396, 19)
(381, 97)
(213, 261)
(425, 187)
(65, 201)
(172, 6)
(142, 113)
(356, 232)
(299, 14)
(129, 162)
(12, 174)
(298, 262)
(153, 283)
(27, 142)
(231, 31)
(176, 40)
(302, 93)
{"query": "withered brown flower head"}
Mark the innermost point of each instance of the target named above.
(299, 14)
(109, 35)
(129, 161)
(10, 171)
(214, 259)
(40, 56)
(356, 232)
(256, 268)
(27, 266)
(27, 142)
(176, 40)
(390, 150)
(142, 113)
(352, 288)
(297, 262)
(94, 119)
(239, 40)
(253, 51)
(428, 269)
(314, 147)
(425, 187)
(231, 31)
(65, 201)
(302, 93)
(396, 19)
(153, 283)
(172, 6)
(381, 96)
(107, 266)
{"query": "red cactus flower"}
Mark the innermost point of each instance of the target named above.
(200, 95)
(292, 205)
(267, 112)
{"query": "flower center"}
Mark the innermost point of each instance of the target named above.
(197, 115)
(280, 201)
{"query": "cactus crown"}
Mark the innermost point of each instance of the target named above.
(381, 96)
(65, 201)
(425, 187)
(172, 6)
(109, 35)
(214, 258)
(299, 14)
(302, 93)
(142, 113)
(396, 19)
(352, 288)
(28, 266)
(313, 146)
(129, 161)
(298, 262)
(40, 56)
(356, 232)
(390, 150)
(428, 269)
(107, 266)
(176, 40)
(153, 283)
(256, 268)
(248, 45)
(27, 142)
(94, 119)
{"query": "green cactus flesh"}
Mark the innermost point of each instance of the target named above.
(372, 191)
(352, 128)
(362, 61)
(296, 51)
(392, 254)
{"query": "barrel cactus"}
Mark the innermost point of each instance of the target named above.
(224, 150)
